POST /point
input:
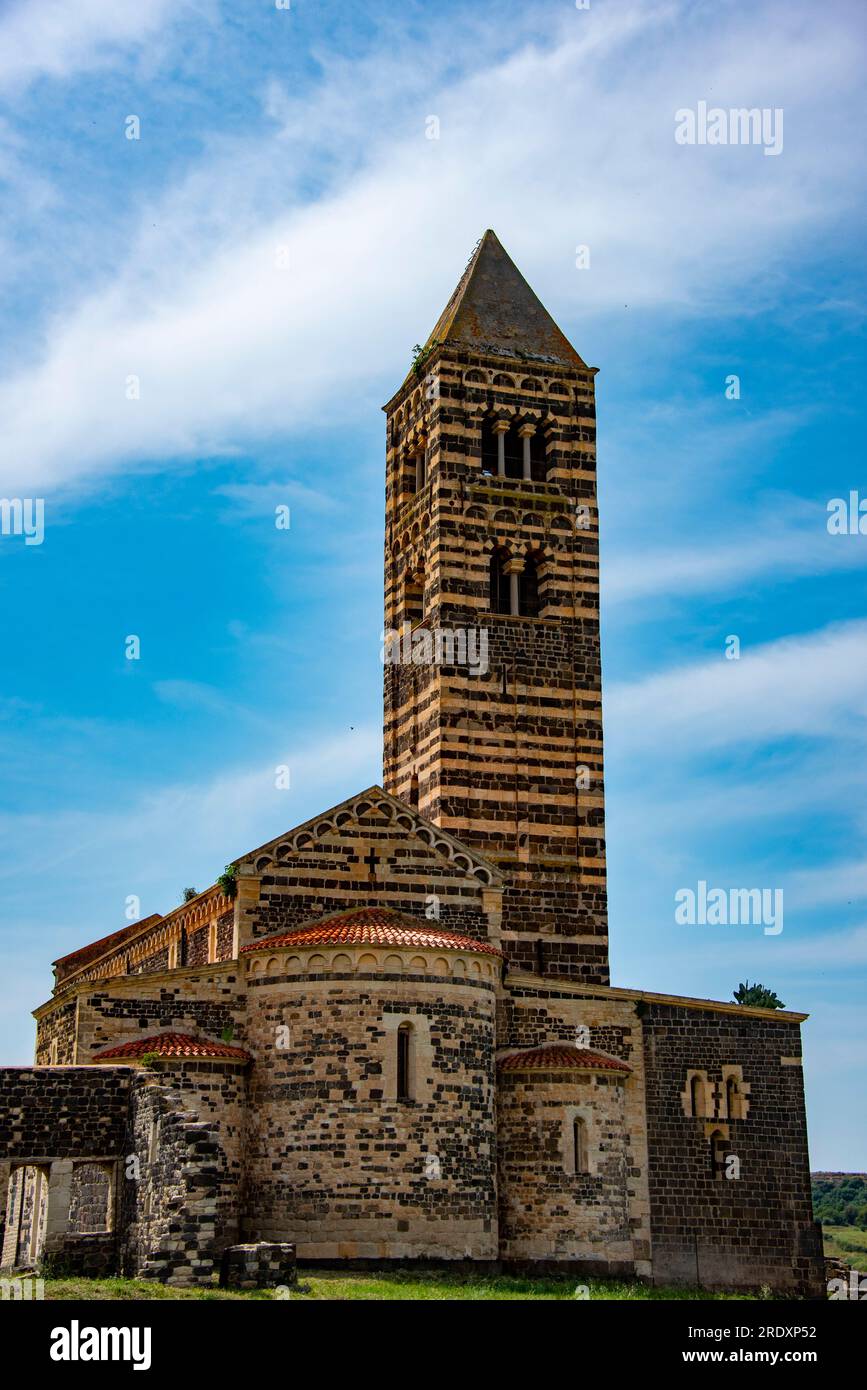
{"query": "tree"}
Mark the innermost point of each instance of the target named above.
(190, 893)
(757, 997)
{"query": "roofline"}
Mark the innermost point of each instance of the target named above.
(237, 1054)
(145, 925)
(130, 927)
(609, 1062)
(284, 941)
(377, 790)
(648, 996)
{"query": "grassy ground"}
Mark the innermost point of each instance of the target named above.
(327, 1284)
(847, 1243)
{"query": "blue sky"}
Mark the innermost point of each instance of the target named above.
(263, 259)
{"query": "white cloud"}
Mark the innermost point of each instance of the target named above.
(229, 346)
(810, 686)
(183, 829)
(56, 38)
(254, 501)
(839, 884)
(789, 540)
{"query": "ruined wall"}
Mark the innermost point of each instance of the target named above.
(52, 1118)
(749, 1230)
(63, 1112)
(91, 1199)
(55, 1034)
(182, 1189)
(335, 1161)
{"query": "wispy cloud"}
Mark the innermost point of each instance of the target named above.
(810, 686)
(237, 341)
(841, 883)
(145, 842)
(788, 540)
(56, 39)
(258, 500)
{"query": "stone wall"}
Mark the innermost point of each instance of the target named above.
(495, 756)
(52, 1118)
(63, 1112)
(336, 1162)
(90, 1206)
(182, 1189)
(203, 1001)
(549, 1213)
(747, 1230)
(154, 944)
(533, 1012)
(55, 1034)
(369, 852)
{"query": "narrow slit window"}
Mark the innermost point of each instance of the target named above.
(404, 1043)
(717, 1154)
(579, 1146)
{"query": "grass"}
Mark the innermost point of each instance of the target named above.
(318, 1285)
(847, 1243)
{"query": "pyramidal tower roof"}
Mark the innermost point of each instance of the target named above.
(493, 308)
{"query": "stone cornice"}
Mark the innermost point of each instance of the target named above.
(107, 982)
(519, 980)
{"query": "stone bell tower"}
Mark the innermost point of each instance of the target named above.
(493, 691)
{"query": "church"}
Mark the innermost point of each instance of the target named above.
(389, 1034)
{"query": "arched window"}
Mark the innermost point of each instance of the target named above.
(732, 1098)
(500, 596)
(404, 1062)
(528, 589)
(413, 791)
(696, 1096)
(579, 1146)
(717, 1154)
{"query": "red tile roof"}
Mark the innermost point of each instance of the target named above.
(560, 1057)
(172, 1045)
(373, 926)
